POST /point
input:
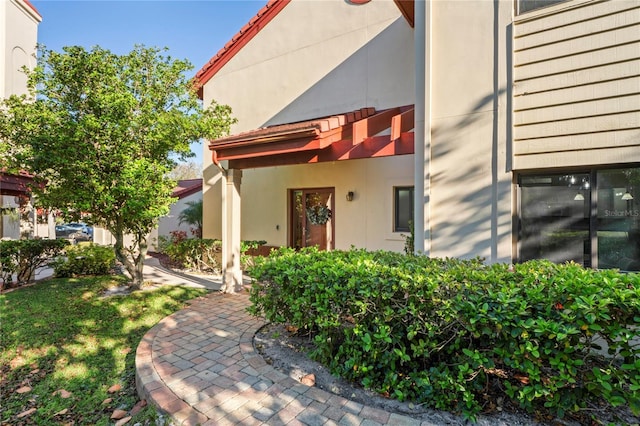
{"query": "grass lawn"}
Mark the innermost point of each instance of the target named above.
(63, 346)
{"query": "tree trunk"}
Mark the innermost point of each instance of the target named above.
(130, 263)
(141, 243)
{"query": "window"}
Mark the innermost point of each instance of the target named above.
(403, 208)
(592, 218)
(523, 6)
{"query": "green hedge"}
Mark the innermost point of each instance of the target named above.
(85, 259)
(442, 332)
(202, 254)
(21, 258)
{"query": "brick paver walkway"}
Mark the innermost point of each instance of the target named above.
(199, 366)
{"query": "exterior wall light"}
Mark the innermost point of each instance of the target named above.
(350, 195)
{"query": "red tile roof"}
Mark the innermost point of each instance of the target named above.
(187, 187)
(28, 3)
(312, 127)
(357, 134)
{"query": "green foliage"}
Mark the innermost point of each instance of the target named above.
(409, 241)
(85, 259)
(101, 132)
(21, 258)
(195, 253)
(201, 254)
(63, 334)
(192, 215)
(442, 332)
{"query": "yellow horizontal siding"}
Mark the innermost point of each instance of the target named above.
(581, 61)
(596, 141)
(617, 19)
(612, 122)
(577, 85)
(566, 14)
(570, 111)
(611, 155)
(584, 44)
(574, 93)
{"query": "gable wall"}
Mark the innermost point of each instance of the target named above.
(18, 38)
(317, 58)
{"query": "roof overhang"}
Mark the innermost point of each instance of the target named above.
(407, 9)
(186, 187)
(364, 133)
(15, 185)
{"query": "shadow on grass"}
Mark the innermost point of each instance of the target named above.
(62, 334)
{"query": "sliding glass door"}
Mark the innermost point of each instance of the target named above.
(590, 217)
(618, 219)
(554, 217)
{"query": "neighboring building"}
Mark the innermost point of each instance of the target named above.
(525, 133)
(187, 191)
(19, 21)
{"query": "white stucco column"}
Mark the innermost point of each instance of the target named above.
(231, 200)
(422, 149)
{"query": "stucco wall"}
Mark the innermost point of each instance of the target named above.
(577, 85)
(10, 222)
(171, 222)
(317, 58)
(364, 222)
(18, 38)
(470, 187)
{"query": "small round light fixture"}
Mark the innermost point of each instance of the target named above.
(350, 195)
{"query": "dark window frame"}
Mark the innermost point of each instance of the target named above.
(525, 6)
(397, 226)
(605, 216)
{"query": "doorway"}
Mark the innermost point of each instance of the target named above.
(312, 218)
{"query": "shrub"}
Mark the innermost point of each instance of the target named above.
(21, 258)
(202, 254)
(447, 333)
(195, 253)
(89, 259)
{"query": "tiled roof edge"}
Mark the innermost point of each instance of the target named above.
(238, 41)
(33, 9)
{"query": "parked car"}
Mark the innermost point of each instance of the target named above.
(81, 227)
(74, 232)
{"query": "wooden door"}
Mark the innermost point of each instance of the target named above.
(312, 216)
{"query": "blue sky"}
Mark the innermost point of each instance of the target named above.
(193, 30)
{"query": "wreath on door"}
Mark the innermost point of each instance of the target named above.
(318, 214)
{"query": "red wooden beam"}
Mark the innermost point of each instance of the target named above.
(407, 9)
(382, 146)
(373, 125)
(402, 123)
(375, 147)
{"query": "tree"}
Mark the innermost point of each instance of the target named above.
(188, 170)
(192, 215)
(101, 132)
